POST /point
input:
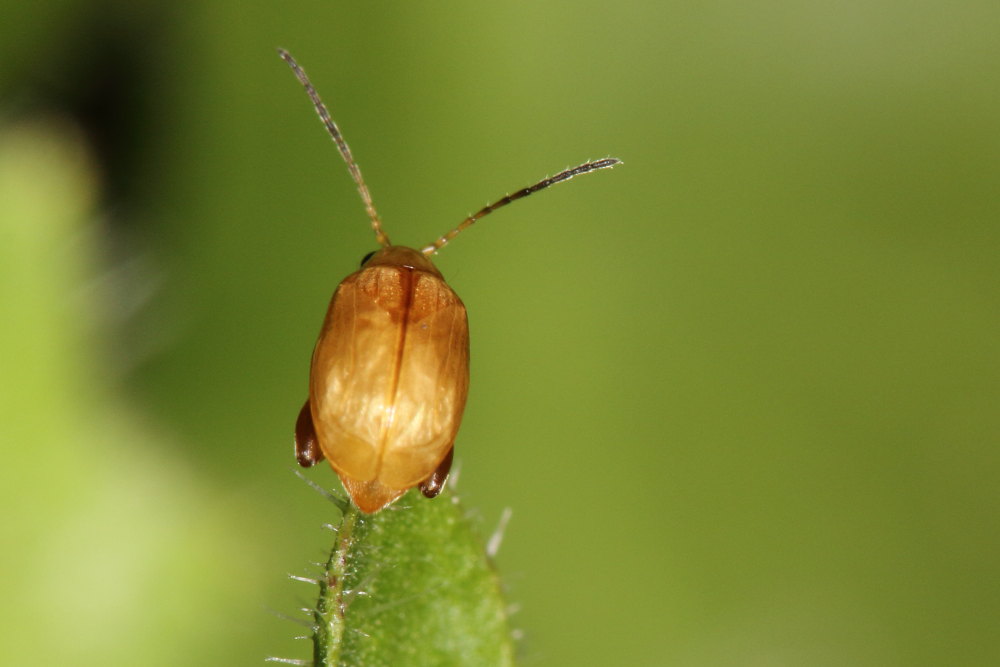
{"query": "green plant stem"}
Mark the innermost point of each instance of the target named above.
(410, 585)
(328, 633)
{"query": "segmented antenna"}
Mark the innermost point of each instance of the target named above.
(540, 185)
(345, 152)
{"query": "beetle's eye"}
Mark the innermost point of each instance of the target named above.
(364, 260)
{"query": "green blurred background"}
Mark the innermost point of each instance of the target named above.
(740, 393)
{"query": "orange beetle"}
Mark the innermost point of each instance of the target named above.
(390, 371)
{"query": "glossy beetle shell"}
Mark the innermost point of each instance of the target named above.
(389, 376)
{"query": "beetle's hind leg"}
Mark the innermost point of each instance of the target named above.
(307, 450)
(434, 484)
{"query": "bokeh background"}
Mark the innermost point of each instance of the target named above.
(741, 393)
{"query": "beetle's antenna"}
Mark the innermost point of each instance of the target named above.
(540, 185)
(338, 138)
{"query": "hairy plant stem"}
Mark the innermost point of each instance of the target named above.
(410, 585)
(328, 632)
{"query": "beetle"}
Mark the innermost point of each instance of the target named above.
(390, 369)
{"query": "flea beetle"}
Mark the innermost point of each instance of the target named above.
(390, 370)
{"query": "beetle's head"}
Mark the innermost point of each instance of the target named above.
(397, 255)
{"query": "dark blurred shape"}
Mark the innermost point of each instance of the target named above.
(106, 78)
